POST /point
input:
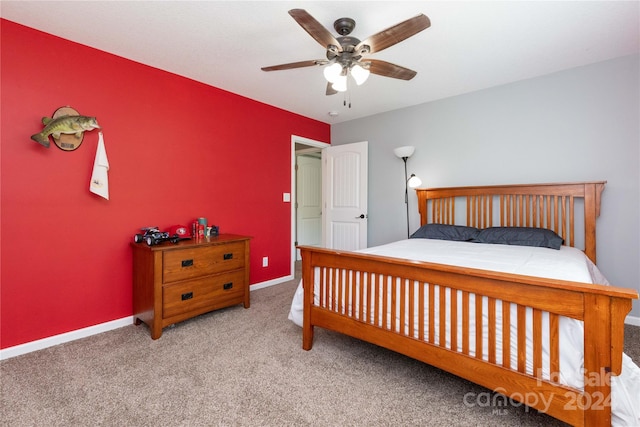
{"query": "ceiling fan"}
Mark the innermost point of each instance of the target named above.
(347, 56)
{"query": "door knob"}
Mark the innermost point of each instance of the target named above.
(362, 216)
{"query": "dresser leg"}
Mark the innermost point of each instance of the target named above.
(156, 333)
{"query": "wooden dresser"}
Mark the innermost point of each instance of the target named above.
(174, 282)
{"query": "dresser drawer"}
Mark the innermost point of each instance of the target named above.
(197, 262)
(211, 292)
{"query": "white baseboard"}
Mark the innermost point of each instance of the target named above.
(63, 338)
(271, 283)
(632, 320)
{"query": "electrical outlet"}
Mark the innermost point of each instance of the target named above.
(265, 261)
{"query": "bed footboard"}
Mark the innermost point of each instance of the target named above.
(405, 306)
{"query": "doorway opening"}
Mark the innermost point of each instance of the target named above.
(304, 223)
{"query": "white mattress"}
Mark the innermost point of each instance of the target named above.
(564, 264)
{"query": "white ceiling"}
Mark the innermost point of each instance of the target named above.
(471, 45)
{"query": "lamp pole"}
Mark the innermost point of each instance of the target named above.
(404, 153)
(406, 192)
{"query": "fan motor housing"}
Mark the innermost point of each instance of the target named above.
(348, 45)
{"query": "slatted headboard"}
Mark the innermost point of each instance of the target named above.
(551, 206)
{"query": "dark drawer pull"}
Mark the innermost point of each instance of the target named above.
(227, 286)
(187, 262)
(187, 296)
(227, 256)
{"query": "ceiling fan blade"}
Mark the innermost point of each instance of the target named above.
(315, 29)
(395, 34)
(330, 89)
(299, 64)
(387, 69)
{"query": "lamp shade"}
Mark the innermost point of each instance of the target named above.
(359, 74)
(414, 181)
(340, 84)
(405, 151)
(332, 72)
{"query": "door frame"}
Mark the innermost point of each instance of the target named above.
(295, 139)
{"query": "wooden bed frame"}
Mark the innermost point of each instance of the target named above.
(553, 206)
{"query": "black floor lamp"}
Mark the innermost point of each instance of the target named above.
(413, 181)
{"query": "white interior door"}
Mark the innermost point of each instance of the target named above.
(308, 200)
(345, 196)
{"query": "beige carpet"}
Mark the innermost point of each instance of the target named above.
(238, 367)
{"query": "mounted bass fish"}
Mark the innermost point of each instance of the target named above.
(68, 124)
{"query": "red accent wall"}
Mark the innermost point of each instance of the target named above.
(177, 149)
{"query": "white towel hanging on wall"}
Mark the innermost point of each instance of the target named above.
(99, 178)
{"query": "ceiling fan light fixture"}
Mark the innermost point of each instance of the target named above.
(340, 84)
(332, 72)
(359, 74)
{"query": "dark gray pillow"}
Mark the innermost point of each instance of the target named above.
(446, 232)
(521, 236)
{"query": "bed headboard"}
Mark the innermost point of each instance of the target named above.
(550, 206)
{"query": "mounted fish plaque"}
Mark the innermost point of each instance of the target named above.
(67, 128)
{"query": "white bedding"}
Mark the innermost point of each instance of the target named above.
(564, 264)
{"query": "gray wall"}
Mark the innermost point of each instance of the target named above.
(577, 125)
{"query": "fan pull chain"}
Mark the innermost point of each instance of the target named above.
(347, 94)
(344, 102)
